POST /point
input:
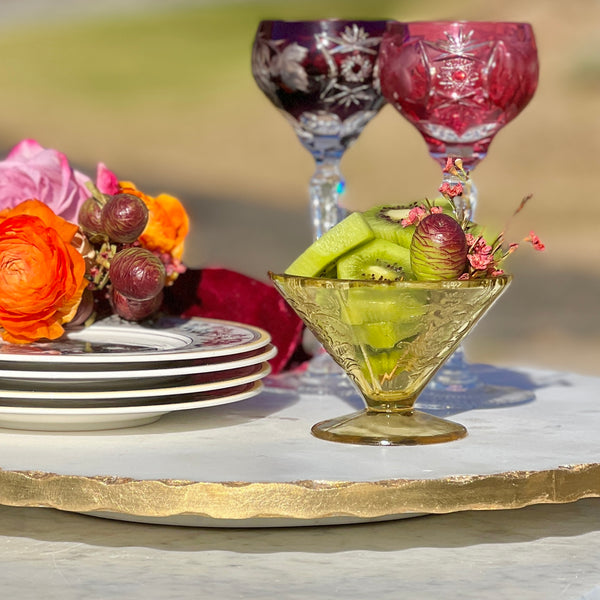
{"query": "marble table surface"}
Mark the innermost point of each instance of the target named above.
(544, 551)
(256, 463)
(540, 552)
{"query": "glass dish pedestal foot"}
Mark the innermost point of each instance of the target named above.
(390, 338)
(404, 427)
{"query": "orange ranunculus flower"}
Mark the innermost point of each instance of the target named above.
(168, 222)
(42, 276)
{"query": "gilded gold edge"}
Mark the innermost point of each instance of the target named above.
(298, 499)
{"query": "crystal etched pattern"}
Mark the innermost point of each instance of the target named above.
(321, 79)
(459, 83)
(390, 338)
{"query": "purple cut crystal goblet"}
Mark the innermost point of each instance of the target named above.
(320, 75)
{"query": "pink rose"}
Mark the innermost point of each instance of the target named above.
(33, 172)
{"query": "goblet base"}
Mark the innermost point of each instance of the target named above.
(321, 376)
(458, 385)
(402, 428)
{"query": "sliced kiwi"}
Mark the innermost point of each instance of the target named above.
(347, 235)
(385, 366)
(386, 334)
(373, 305)
(386, 223)
(382, 323)
(386, 220)
(445, 204)
(377, 260)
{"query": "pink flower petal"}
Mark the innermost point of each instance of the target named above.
(106, 180)
(33, 172)
(25, 149)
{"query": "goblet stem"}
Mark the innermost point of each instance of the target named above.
(467, 202)
(326, 189)
(455, 375)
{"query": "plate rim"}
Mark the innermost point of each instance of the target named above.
(260, 339)
(80, 375)
(157, 392)
(137, 409)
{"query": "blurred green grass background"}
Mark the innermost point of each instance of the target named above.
(165, 97)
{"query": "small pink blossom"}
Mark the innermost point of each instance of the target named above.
(415, 216)
(451, 189)
(464, 277)
(480, 262)
(481, 246)
(436, 210)
(449, 165)
(535, 241)
(480, 253)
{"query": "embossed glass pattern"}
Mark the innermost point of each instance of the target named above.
(390, 338)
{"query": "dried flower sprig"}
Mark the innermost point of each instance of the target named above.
(484, 257)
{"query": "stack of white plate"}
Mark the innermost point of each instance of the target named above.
(117, 374)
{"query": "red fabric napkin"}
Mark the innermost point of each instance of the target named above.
(218, 293)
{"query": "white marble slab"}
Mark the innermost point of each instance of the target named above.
(267, 438)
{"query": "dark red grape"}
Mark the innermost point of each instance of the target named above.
(90, 217)
(134, 310)
(137, 273)
(438, 249)
(124, 217)
(84, 311)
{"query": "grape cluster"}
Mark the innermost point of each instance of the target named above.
(134, 276)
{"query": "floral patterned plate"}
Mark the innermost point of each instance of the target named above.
(118, 343)
(104, 374)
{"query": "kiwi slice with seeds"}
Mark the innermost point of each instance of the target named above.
(377, 260)
(386, 223)
(386, 220)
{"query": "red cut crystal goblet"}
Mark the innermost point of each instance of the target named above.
(458, 83)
